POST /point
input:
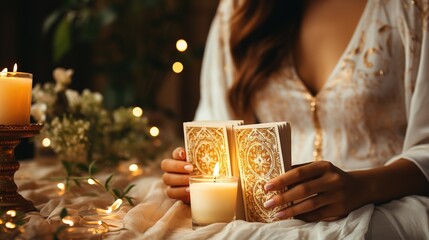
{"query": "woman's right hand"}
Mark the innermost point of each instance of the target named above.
(176, 175)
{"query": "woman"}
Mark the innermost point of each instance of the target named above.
(350, 76)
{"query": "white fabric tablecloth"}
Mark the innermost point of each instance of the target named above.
(154, 215)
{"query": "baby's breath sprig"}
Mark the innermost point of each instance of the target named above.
(79, 129)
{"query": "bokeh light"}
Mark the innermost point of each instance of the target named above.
(46, 142)
(181, 45)
(133, 167)
(137, 112)
(154, 131)
(177, 67)
(91, 181)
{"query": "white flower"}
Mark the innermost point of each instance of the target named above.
(98, 98)
(73, 98)
(95, 97)
(44, 94)
(38, 111)
(63, 78)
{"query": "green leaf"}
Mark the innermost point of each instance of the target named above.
(129, 200)
(50, 20)
(106, 184)
(90, 168)
(117, 193)
(58, 231)
(68, 167)
(128, 189)
(62, 39)
(77, 182)
(64, 213)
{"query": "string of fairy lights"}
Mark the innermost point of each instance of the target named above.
(93, 221)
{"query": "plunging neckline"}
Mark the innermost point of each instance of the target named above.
(337, 66)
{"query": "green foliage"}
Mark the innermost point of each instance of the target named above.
(63, 213)
(62, 39)
(75, 172)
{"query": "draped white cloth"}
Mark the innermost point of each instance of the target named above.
(155, 216)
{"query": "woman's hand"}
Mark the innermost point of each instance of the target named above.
(176, 175)
(319, 190)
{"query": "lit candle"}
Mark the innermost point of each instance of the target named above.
(15, 97)
(213, 199)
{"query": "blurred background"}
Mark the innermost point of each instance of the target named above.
(124, 49)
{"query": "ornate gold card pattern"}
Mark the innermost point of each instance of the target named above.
(205, 147)
(260, 159)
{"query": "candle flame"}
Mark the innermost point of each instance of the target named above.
(216, 170)
(3, 73)
(15, 67)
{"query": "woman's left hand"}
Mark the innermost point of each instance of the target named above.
(319, 190)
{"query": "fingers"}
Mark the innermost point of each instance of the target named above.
(180, 193)
(178, 164)
(312, 187)
(176, 175)
(175, 166)
(174, 180)
(310, 204)
(179, 154)
(301, 191)
(299, 174)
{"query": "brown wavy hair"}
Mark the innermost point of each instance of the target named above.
(262, 36)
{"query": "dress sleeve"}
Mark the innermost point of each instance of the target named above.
(217, 67)
(416, 143)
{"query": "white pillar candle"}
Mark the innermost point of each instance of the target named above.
(15, 98)
(212, 200)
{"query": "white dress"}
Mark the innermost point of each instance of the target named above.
(374, 107)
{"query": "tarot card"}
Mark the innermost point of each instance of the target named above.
(208, 143)
(263, 152)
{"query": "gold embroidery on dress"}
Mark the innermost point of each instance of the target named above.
(318, 138)
(369, 52)
(423, 11)
(372, 123)
(361, 44)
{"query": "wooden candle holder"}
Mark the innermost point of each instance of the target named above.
(10, 137)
